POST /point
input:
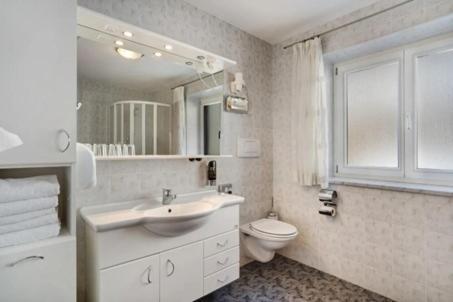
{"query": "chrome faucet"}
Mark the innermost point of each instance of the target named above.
(167, 197)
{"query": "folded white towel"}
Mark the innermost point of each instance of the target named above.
(30, 224)
(30, 235)
(25, 206)
(13, 189)
(25, 216)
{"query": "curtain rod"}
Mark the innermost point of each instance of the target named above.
(350, 23)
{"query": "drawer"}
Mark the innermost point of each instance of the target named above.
(222, 278)
(221, 243)
(221, 260)
(34, 273)
(133, 281)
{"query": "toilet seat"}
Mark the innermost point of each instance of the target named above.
(270, 229)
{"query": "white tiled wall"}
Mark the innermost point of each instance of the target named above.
(395, 243)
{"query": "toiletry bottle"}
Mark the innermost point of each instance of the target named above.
(212, 173)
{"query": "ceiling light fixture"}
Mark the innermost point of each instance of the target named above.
(119, 42)
(127, 34)
(158, 54)
(189, 63)
(128, 54)
(168, 47)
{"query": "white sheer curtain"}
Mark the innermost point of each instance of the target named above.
(309, 115)
(179, 121)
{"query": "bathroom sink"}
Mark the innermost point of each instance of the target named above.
(176, 219)
(186, 213)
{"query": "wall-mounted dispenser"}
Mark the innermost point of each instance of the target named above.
(236, 100)
(212, 173)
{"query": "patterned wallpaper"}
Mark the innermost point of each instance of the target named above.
(394, 243)
(251, 178)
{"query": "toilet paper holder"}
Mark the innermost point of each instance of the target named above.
(328, 198)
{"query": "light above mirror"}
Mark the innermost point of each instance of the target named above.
(128, 54)
(128, 34)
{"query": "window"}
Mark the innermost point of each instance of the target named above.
(393, 114)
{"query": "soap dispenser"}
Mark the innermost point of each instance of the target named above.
(212, 173)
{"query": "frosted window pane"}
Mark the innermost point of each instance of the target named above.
(434, 107)
(373, 116)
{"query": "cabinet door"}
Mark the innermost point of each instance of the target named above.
(181, 274)
(40, 274)
(38, 80)
(135, 281)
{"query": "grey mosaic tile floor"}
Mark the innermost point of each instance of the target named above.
(286, 280)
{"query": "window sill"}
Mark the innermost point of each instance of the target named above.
(394, 185)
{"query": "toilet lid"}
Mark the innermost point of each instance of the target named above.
(273, 227)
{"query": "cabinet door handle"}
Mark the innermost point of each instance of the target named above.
(148, 276)
(68, 140)
(169, 273)
(225, 279)
(223, 262)
(222, 244)
(26, 259)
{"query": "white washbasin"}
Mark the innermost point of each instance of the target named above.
(172, 220)
(186, 213)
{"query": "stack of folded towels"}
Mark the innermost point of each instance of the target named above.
(28, 209)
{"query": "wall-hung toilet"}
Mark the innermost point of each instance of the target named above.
(261, 238)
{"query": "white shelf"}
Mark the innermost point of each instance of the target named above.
(147, 157)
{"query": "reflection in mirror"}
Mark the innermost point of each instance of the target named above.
(136, 100)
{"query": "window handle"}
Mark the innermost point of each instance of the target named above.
(408, 122)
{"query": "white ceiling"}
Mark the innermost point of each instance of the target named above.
(99, 61)
(277, 20)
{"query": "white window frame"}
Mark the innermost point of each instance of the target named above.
(340, 120)
(407, 171)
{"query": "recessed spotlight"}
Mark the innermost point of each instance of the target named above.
(128, 54)
(119, 42)
(158, 54)
(201, 58)
(168, 47)
(189, 63)
(127, 34)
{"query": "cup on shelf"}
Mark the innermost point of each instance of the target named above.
(118, 150)
(112, 150)
(131, 149)
(125, 150)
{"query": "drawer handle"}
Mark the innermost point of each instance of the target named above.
(222, 244)
(225, 279)
(169, 273)
(150, 269)
(26, 259)
(223, 262)
(68, 140)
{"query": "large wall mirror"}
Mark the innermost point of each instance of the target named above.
(144, 94)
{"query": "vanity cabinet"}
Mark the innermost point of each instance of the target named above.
(181, 268)
(38, 81)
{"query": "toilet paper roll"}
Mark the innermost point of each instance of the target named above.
(328, 211)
